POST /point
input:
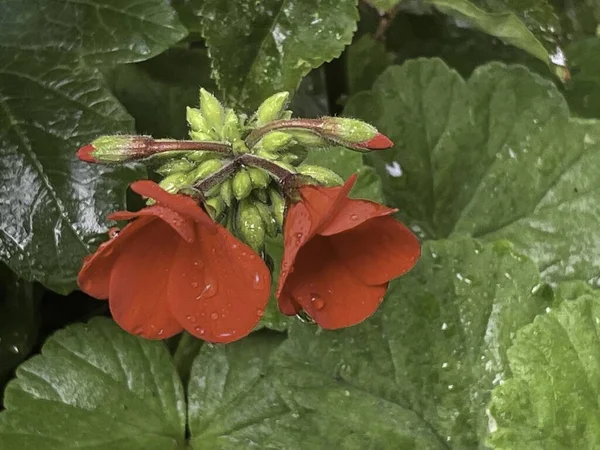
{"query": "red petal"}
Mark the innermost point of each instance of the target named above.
(327, 290)
(352, 213)
(379, 142)
(138, 285)
(182, 204)
(94, 276)
(219, 288)
(377, 251)
(182, 224)
(85, 153)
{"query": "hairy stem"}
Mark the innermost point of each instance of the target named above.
(306, 124)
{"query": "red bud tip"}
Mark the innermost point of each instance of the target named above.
(85, 153)
(379, 142)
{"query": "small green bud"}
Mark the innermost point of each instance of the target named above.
(212, 110)
(196, 120)
(271, 108)
(308, 138)
(239, 147)
(274, 141)
(241, 184)
(175, 182)
(278, 206)
(226, 192)
(324, 176)
(204, 170)
(201, 136)
(265, 154)
(285, 166)
(354, 133)
(231, 127)
(260, 178)
(175, 166)
(286, 115)
(261, 194)
(215, 207)
(250, 226)
(266, 215)
(201, 156)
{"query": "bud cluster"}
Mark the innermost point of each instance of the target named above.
(242, 169)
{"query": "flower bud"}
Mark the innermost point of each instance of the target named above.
(324, 176)
(266, 215)
(231, 126)
(175, 166)
(308, 138)
(274, 141)
(201, 156)
(250, 226)
(239, 147)
(271, 108)
(354, 133)
(201, 136)
(278, 206)
(226, 192)
(212, 110)
(204, 170)
(241, 184)
(115, 149)
(285, 166)
(261, 195)
(196, 120)
(175, 182)
(215, 207)
(259, 178)
(286, 115)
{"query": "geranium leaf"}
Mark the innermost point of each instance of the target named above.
(494, 157)
(95, 386)
(268, 46)
(53, 100)
(551, 400)
(419, 373)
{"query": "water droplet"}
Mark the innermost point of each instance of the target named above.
(259, 312)
(200, 330)
(14, 349)
(234, 246)
(298, 237)
(210, 290)
(191, 319)
(198, 264)
(444, 326)
(214, 316)
(353, 217)
(258, 282)
(194, 284)
(161, 332)
(317, 301)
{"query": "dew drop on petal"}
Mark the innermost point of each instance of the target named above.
(317, 301)
(191, 319)
(200, 330)
(259, 312)
(354, 217)
(194, 284)
(214, 316)
(161, 332)
(258, 282)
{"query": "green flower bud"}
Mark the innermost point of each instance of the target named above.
(196, 120)
(241, 184)
(175, 166)
(201, 156)
(265, 154)
(239, 147)
(250, 226)
(295, 156)
(201, 136)
(231, 127)
(212, 110)
(324, 176)
(278, 206)
(204, 170)
(285, 166)
(274, 141)
(226, 192)
(354, 134)
(271, 108)
(261, 195)
(175, 182)
(260, 178)
(115, 149)
(266, 215)
(286, 115)
(308, 138)
(215, 207)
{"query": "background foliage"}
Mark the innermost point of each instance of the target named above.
(490, 342)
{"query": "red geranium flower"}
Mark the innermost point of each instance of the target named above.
(339, 255)
(173, 268)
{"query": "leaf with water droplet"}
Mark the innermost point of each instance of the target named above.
(115, 387)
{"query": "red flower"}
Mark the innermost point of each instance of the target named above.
(339, 255)
(172, 268)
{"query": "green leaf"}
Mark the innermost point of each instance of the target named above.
(366, 60)
(232, 402)
(383, 6)
(583, 92)
(551, 401)
(53, 100)
(418, 374)
(19, 320)
(494, 157)
(268, 46)
(310, 100)
(156, 92)
(95, 386)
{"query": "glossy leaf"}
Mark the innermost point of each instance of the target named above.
(53, 100)
(232, 401)
(418, 374)
(366, 60)
(551, 401)
(583, 92)
(156, 92)
(494, 157)
(95, 386)
(267, 46)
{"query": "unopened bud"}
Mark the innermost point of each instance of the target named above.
(241, 184)
(212, 110)
(215, 207)
(286, 115)
(308, 138)
(285, 166)
(175, 166)
(250, 226)
(260, 178)
(115, 149)
(266, 215)
(201, 136)
(196, 120)
(226, 193)
(175, 182)
(239, 147)
(354, 133)
(204, 170)
(231, 127)
(261, 194)
(324, 176)
(271, 108)
(278, 206)
(274, 141)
